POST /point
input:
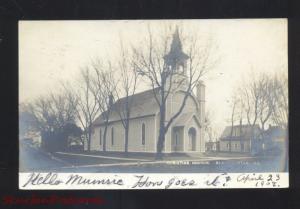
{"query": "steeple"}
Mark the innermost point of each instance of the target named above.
(176, 57)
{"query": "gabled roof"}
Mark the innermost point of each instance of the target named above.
(276, 131)
(240, 132)
(137, 99)
(142, 104)
(184, 118)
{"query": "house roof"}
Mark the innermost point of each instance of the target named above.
(239, 132)
(275, 131)
(142, 104)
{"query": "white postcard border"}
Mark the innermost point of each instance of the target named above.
(111, 181)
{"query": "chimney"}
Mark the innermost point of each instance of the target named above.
(201, 91)
(201, 100)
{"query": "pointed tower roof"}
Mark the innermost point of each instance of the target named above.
(176, 54)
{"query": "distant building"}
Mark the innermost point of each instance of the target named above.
(275, 139)
(185, 134)
(240, 138)
(33, 136)
(212, 146)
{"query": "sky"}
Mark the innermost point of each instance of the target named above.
(54, 51)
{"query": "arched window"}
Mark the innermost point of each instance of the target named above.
(100, 136)
(143, 134)
(192, 139)
(112, 136)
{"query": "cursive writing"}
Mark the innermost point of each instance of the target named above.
(80, 180)
(42, 179)
(143, 181)
(244, 178)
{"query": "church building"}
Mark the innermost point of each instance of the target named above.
(186, 133)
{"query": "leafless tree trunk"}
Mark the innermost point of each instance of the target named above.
(281, 107)
(233, 112)
(52, 113)
(104, 88)
(87, 106)
(267, 99)
(125, 90)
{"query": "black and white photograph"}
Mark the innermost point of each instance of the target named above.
(153, 104)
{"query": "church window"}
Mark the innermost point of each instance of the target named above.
(176, 139)
(143, 133)
(112, 136)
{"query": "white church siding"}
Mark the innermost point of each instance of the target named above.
(118, 137)
(202, 140)
(177, 98)
(95, 140)
(135, 136)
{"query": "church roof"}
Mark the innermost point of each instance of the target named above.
(142, 104)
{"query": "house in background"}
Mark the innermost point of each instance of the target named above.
(240, 138)
(33, 137)
(185, 134)
(275, 139)
(212, 146)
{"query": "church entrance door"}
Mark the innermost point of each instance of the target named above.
(192, 139)
(177, 143)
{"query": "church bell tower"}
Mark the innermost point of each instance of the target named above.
(176, 60)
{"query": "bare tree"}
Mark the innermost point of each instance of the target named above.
(126, 89)
(267, 99)
(281, 107)
(88, 107)
(236, 115)
(209, 126)
(52, 113)
(264, 98)
(163, 70)
(104, 88)
(251, 97)
(232, 119)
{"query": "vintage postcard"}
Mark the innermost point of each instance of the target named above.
(153, 104)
